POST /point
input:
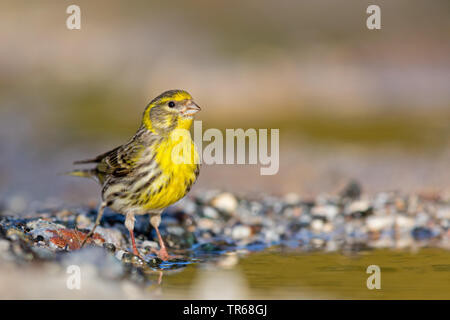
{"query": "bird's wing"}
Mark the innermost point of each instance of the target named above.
(120, 161)
(117, 162)
(98, 158)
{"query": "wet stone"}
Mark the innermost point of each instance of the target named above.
(154, 262)
(109, 247)
(127, 257)
(136, 261)
(209, 247)
(119, 254)
(184, 241)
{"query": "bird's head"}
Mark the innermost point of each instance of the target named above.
(173, 109)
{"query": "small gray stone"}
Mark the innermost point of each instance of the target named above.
(210, 212)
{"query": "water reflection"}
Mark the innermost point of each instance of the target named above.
(293, 275)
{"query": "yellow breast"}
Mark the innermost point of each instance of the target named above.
(177, 159)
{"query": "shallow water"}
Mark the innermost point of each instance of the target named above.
(286, 275)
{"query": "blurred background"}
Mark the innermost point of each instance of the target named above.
(350, 103)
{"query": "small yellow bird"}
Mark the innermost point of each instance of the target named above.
(153, 170)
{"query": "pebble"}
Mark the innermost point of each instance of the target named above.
(119, 254)
(182, 241)
(327, 227)
(271, 236)
(83, 222)
(361, 207)
(422, 219)
(176, 230)
(305, 219)
(210, 213)
(111, 235)
(150, 244)
(421, 233)
(377, 223)
(43, 228)
(327, 211)
(109, 247)
(404, 222)
(206, 224)
(317, 225)
(241, 232)
(225, 202)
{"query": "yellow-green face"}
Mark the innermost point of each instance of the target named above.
(170, 110)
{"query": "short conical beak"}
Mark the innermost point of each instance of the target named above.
(191, 109)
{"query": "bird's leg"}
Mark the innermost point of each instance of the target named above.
(101, 208)
(155, 220)
(133, 243)
(162, 254)
(129, 223)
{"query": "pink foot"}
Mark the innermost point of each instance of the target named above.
(164, 255)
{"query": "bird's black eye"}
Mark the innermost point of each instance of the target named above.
(171, 104)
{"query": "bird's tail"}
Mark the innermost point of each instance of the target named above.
(84, 173)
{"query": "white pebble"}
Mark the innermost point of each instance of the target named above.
(358, 206)
(375, 223)
(317, 225)
(404, 222)
(225, 202)
(241, 232)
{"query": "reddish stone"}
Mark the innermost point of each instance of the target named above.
(72, 238)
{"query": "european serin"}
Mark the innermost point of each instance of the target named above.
(142, 176)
